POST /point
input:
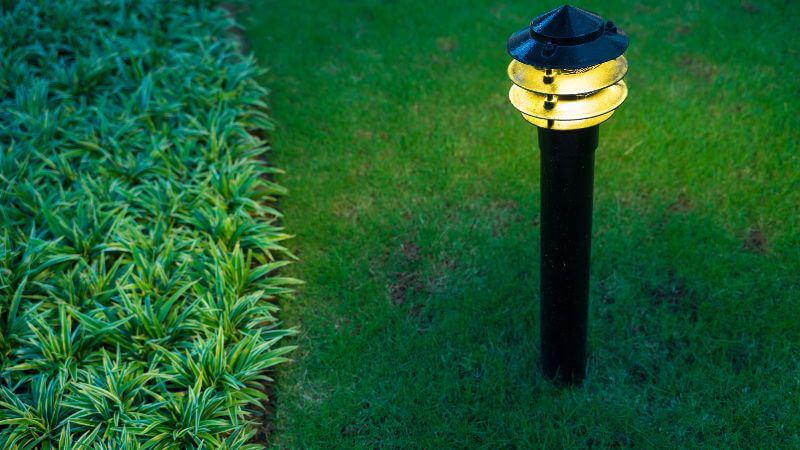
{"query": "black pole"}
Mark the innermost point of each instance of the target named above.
(567, 173)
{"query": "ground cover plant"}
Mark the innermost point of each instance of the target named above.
(139, 244)
(414, 196)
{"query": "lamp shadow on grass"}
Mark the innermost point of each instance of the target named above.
(673, 321)
(682, 299)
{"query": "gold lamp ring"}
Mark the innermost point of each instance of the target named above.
(568, 107)
(563, 125)
(567, 82)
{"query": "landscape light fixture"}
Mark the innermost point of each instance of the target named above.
(567, 71)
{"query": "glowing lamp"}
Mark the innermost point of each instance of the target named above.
(567, 73)
(567, 69)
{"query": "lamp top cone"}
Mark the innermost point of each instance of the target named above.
(567, 38)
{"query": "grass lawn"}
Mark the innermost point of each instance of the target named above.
(414, 197)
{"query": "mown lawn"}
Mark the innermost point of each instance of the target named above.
(414, 198)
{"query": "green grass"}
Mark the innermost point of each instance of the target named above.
(414, 197)
(138, 242)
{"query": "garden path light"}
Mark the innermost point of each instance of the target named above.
(567, 71)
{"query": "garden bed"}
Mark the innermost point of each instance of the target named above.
(139, 242)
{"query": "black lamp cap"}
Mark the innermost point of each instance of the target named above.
(567, 38)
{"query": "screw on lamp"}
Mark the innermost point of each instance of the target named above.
(568, 72)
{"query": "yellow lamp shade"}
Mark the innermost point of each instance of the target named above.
(563, 125)
(569, 107)
(568, 69)
(567, 82)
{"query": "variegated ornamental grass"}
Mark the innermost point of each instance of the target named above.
(138, 248)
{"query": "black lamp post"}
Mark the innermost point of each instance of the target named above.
(567, 72)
